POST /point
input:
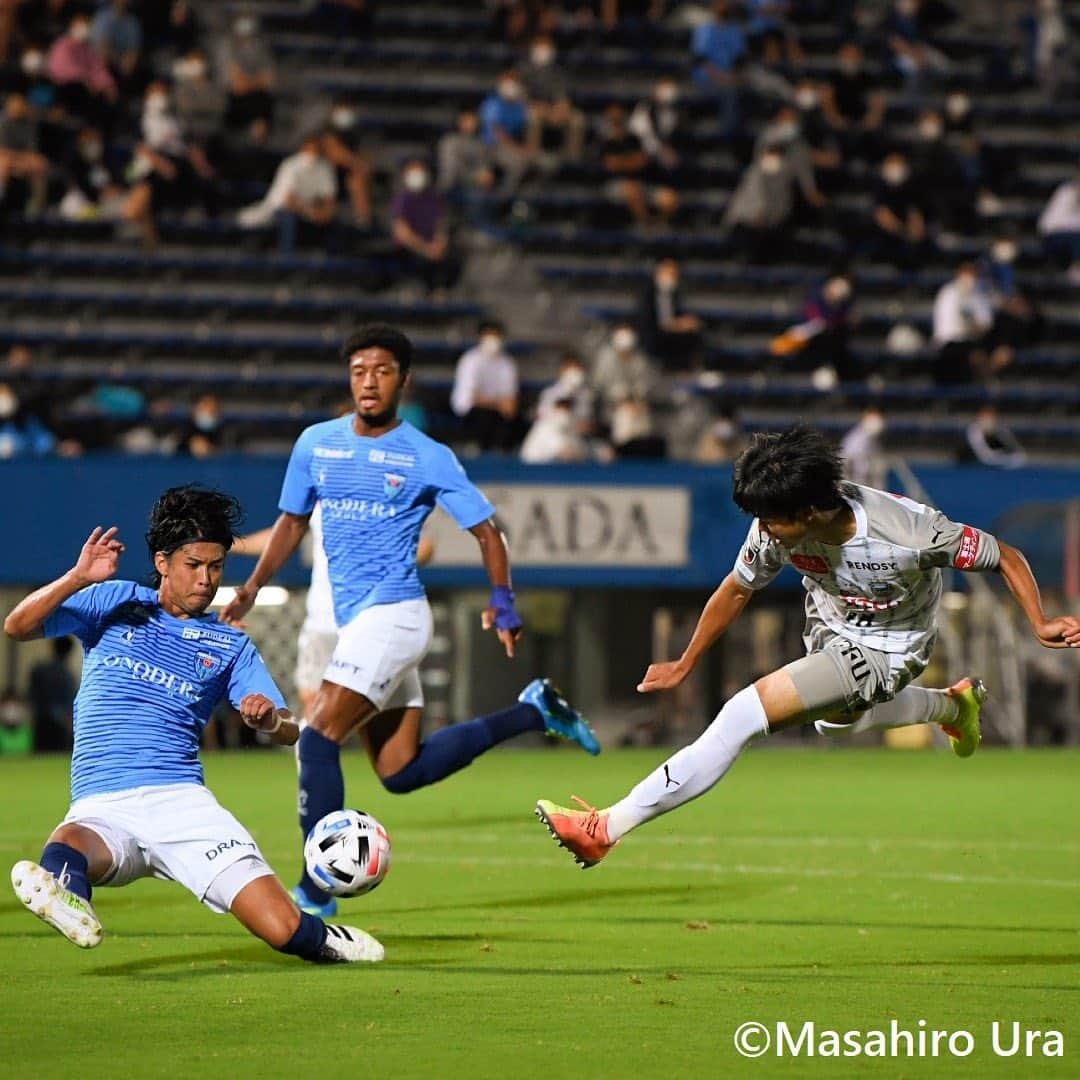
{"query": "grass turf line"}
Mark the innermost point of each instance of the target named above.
(848, 888)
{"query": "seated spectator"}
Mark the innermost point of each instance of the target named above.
(1059, 226)
(963, 330)
(863, 452)
(343, 146)
(719, 48)
(170, 26)
(669, 332)
(118, 35)
(821, 340)
(784, 134)
(22, 432)
(853, 107)
(989, 441)
(302, 197)
(24, 170)
(93, 188)
(823, 146)
(571, 386)
(898, 223)
(1017, 321)
(766, 74)
(504, 122)
(421, 229)
(202, 436)
(485, 392)
(556, 127)
(656, 123)
(466, 177)
(949, 190)
(621, 373)
(554, 437)
(905, 30)
(200, 107)
(248, 65)
(759, 214)
(624, 163)
(721, 441)
(78, 68)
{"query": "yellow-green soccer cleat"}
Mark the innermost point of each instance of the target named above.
(52, 902)
(965, 732)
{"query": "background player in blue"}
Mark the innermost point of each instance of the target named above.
(156, 666)
(376, 478)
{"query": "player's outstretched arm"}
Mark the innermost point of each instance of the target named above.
(97, 562)
(500, 612)
(1062, 632)
(284, 539)
(260, 713)
(253, 544)
(723, 608)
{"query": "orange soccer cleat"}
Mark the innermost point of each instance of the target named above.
(582, 832)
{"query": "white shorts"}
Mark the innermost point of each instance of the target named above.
(378, 654)
(313, 651)
(178, 832)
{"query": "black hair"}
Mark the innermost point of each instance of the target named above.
(189, 514)
(780, 474)
(380, 336)
(491, 326)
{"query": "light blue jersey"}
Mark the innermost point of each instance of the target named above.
(374, 495)
(150, 682)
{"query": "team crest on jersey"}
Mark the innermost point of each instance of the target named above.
(393, 485)
(207, 664)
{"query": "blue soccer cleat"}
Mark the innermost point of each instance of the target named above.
(313, 907)
(560, 717)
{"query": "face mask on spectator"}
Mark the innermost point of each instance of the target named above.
(571, 379)
(850, 65)
(806, 97)
(205, 420)
(667, 93)
(785, 132)
(32, 62)
(91, 150)
(80, 31)
(542, 55)
(771, 164)
(157, 101)
(491, 344)
(189, 70)
(874, 424)
(244, 26)
(837, 290)
(957, 106)
(510, 89)
(965, 284)
(416, 179)
(930, 129)
(9, 404)
(624, 339)
(343, 118)
(895, 174)
(1004, 251)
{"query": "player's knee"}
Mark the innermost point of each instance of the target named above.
(276, 928)
(404, 780)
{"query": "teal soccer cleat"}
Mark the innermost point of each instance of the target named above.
(313, 907)
(560, 717)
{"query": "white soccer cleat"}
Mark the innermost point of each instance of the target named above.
(52, 902)
(347, 945)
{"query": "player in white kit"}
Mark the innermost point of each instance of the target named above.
(871, 565)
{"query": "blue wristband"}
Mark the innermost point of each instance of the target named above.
(502, 600)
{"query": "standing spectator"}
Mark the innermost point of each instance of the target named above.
(990, 442)
(853, 107)
(485, 392)
(21, 160)
(556, 127)
(760, 211)
(249, 75)
(963, 325)
(624, 162)
(303, 197)
(1059, 225)
(719, 47)
(898, 224)
(504, 122)
(77, 66)
(465, 174)
(669, 332)
(863, 452)
(51, 693)
(656, 123)
(421, 229)
(118, 36)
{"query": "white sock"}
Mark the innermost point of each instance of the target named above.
(695, 768)
(913, 705)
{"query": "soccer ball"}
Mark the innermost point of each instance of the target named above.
(347, 853)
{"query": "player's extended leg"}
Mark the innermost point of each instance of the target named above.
(57, 889)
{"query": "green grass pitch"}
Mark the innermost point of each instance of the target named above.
(849, 888)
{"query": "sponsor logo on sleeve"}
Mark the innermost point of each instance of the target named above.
(968, 550)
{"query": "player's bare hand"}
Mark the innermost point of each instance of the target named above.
(507, 637)
(664, 676)
(99, 556)
(234, 611)
(1060, 633)
(257, 711)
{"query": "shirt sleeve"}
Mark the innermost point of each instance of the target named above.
(948, 543)
(457, 494)
(249, 676)
(83, 613)
(759, 561)
(298, 493)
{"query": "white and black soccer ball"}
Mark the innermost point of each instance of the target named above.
(347, 853)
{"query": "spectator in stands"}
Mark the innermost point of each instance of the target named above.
(722, 440)
(1047, 34)
(1059, 225)
(622, 373)
(77, 66)
(249, 75)
(863, 451)
(45, 20)
(171, 26)
(345, 18)
(556, 128)
(504, 121)
(118, 36)
(554, 437)
(784, 134)
(624, 163)
(669, 332)
(822, 145)
(571, 386)
(853, 107)
(906, 29)
(719, 47)
(759, 214)
(988, 440)
(821, 340)
(963, 330)
(421, 229)
(344, 150)
(656, 123)
(302, 197)
(898, 224)
(466, 177)
(22, 433)
(516, 21)
(1017, 321)
(203, 435)
(949, 189)
(24, 170)
(51, 694)
(93, 189)
(200, 105)
(485, 392)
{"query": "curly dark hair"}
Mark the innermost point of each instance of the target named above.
(380, 336)
(783, 473)
(190, 513)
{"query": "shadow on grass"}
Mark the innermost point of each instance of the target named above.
(852, 924)
(189, 964)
